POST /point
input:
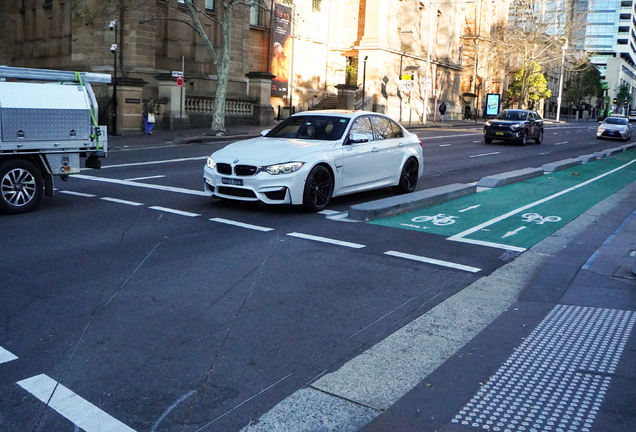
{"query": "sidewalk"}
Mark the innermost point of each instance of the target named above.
(234, 133)
(562, 357)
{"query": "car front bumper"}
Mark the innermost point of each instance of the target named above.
(503, 134)
(612, 134)
(267, 188)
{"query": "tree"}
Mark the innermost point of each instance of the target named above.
(622, 94)
(529, 86)
(584, 84)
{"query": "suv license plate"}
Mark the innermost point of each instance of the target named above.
(234, 182)
(499, 133)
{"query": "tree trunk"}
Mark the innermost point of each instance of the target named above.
(222, 71)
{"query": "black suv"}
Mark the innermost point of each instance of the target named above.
(515, 125)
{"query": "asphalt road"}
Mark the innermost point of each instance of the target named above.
(152, 308)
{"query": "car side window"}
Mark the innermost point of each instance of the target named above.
(385, 128)
(361, 130)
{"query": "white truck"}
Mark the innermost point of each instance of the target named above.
(47, 123)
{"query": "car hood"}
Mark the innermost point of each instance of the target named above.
(609, 126)
(506, 122)
(265, 151)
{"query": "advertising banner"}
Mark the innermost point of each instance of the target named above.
(280, 49)
(492, 104)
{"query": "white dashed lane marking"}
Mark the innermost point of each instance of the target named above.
(6, 356)
(174, 211)
(326, 240)
(120, 201)
(241, 224)
(76, 409)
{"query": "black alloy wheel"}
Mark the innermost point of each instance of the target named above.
(318, 189)
(539, 138)
(524, 138)
(408, 177)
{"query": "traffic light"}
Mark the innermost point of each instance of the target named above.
(625, 103)
(615, 100)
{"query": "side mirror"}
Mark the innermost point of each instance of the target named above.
(265, 132)
(355, 138)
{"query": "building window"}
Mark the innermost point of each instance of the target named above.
(209, 4)
(257, 14)
(315, 5)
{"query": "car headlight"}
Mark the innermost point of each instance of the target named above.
(516, 125)
(285, 168)
(488, 123)
(211, 164)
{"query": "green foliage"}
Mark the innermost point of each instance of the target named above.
(530, 86)
(584, 84)
(622, 93)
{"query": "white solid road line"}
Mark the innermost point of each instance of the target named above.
(142, 185)
(433, 261)
(485, 154)
(6, 356)
(326, 240)
(173, 211)
(150, 162)
(242, 225)
(120, 201)
(67, 192)
(76, 409)
(145, 178)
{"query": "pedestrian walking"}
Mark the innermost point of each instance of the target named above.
(467, 112)
(149, 117)
(442, 110)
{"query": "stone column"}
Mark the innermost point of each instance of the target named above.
(175, 97)
(346, 96)
(261, 90)
(375, 24)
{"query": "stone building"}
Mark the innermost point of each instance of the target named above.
(340, 52)
(153, 39)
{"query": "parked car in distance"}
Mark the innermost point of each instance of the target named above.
(632, 116)
(615, 127)
(515, 125)
(313, 156)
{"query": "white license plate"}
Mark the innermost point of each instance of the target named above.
(233, 182)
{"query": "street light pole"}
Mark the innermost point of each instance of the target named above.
(113, 49)
(428, 59)
(563, 48)
(364, 78)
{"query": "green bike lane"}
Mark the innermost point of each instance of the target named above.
(517, 216)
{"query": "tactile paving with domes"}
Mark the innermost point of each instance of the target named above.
(557, 379)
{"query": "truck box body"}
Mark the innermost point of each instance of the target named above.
(34, 115)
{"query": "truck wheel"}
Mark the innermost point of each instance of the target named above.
(21, 186)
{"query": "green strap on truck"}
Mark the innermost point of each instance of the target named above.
(78, 77)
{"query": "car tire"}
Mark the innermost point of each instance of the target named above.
(21, 186)
(539, 138)
(598, 137)
(408, 177)
(524, 138)
(487, 140)
(318, 189)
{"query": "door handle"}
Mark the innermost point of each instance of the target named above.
(375, 149)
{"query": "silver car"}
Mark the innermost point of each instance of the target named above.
(615, 127)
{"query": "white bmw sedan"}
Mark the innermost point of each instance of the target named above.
(316, 155)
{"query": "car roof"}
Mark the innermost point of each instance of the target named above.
(336, 112)
(518, 110)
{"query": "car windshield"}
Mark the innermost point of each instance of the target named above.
(616, 120)
(512, 115)
(311, 127)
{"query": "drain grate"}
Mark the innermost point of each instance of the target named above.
(557, 379)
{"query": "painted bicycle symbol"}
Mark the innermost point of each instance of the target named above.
(439, 219)
(540, 220)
